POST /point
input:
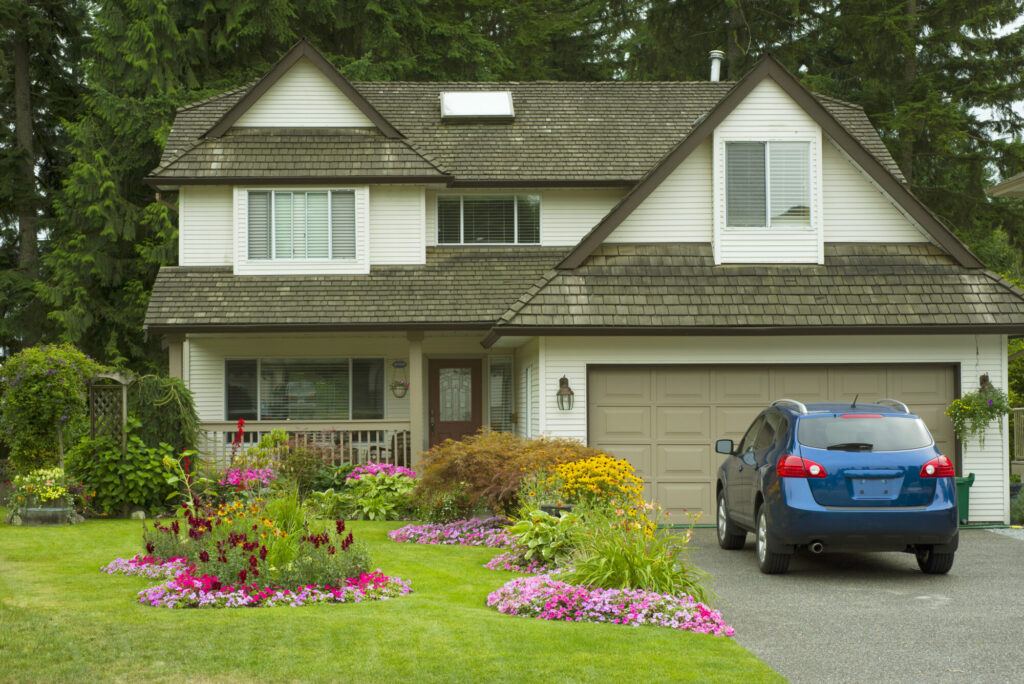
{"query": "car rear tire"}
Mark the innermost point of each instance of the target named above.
(768, 562)
(730, 536)
(932, 563)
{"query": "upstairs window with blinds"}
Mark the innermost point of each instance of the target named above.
(305, 225)
(304, 389)
(768, 184)
(488, 219)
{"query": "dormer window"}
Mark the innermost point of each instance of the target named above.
(302, 225)
(768, 184)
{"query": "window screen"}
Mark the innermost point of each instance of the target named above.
(488, 219)
(744, 184)
(259, 225)
(790, 184)
(343, 224)
(367, 389)
(500, 393)
(240, 389)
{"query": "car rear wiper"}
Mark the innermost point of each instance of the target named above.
(850, 446)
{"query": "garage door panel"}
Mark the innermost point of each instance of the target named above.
(920, 385)
(679, 498)
(618, 424)
(623, 386)
(742, 385)
(732, 421)
(802, 384)
(683, 424)
(682, 462)
(869, 382)
(681, 385)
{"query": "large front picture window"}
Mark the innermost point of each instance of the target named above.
(488, 219)
(313, 224)
(304, 389)
(767, 184)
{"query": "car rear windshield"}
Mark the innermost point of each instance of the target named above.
(875, 433)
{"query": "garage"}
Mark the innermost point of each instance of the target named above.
(665, 419)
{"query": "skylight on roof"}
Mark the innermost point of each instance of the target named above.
(489, 105)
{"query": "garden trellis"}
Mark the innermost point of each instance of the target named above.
(108, 406)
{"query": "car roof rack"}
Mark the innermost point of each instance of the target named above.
(793, 402)
(893, 402)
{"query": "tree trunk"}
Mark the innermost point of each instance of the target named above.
(909, 74)
(28, 253)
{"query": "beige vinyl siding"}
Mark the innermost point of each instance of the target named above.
(855, 209)
(679, 210)
(567, 215)
(243, 266)
(204, 225)
(767, 114)
(304, 98)
(975, 354)
(206, 355)
(396, 225)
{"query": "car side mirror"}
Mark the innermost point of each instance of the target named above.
(724, 446)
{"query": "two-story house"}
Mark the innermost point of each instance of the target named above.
(403, 262)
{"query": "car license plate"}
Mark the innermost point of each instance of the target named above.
(875, 488)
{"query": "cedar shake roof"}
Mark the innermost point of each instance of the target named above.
(677, 288)
(459, 287)
(569, 132)
(276, 153)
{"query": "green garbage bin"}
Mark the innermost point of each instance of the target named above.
(963, 496)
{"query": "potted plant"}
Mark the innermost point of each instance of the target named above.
(973, 412)
(42, 497)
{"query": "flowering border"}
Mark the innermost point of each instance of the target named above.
(185, 589)
(545, 598)
(486, 532)
(513, 562)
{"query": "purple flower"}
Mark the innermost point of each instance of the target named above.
(989, 402)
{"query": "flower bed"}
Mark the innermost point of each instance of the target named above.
(487, 532)
(546, 598)
(205, 591)
(187, 589)
(379, 469)
(514, 562)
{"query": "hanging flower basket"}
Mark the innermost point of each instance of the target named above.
(973, 412)
(399, 388)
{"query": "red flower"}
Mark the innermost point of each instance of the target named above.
(149, 547)
(242, 576)
(204, 556)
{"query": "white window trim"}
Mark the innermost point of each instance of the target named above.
(812, 154)
(243, 265)
(462, 233)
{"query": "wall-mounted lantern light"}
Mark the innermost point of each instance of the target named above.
(564, 395)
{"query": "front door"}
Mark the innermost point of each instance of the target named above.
(456, 406)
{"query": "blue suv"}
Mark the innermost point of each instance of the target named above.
(837, 477)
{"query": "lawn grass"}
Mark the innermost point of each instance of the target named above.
(63, 620)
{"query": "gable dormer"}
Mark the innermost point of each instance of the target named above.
(303, 90)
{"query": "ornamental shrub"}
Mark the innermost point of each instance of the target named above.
(138, 478)
(445, 507)
(43, 403)
(599, 481)
(165, 410)
(378, 497)
(544, 538)
(490, 466)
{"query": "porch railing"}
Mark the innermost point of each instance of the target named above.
(338, 443)
(1017, 419)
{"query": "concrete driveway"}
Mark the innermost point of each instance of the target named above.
(876, 617)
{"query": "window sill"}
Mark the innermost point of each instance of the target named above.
(301, 267)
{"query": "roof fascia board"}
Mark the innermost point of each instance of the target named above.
(769, 67)
(302, 49)
(284, 327)
(690, 331)
(166, 182)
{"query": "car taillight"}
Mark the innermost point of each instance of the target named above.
(938, 467)
(794, 466)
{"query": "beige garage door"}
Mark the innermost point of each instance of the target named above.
(665, 419)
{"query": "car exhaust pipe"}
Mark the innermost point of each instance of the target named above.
(816, 547)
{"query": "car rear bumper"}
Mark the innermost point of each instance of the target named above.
(797, 519)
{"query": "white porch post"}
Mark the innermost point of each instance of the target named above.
(417, 395)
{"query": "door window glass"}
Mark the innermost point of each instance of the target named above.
(455, 389)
